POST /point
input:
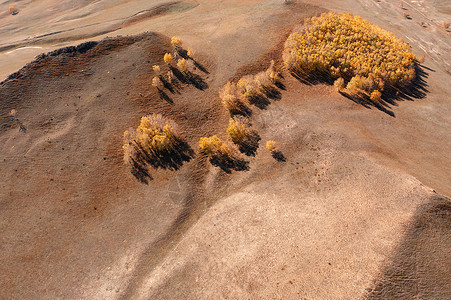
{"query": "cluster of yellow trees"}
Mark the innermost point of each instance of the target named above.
(154, 136)
(233, 96)
(238, 129)
(213, 146)
(362, 56)
(183, 66)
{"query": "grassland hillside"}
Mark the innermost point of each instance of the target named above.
(304, 193)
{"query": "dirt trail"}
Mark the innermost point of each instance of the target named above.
(355, 207)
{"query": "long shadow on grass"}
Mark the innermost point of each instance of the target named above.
(165, 96)
(249, 144)
(240, 110)
(228, 163)
(260, 101)
(391, 95)
(190, 78)
(278, 155)
(184, 54)
(141, 172)
(171, 159)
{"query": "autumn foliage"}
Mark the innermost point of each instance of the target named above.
(248, 88)
(230, 98)
(213, 146)
(238, 129)
(154, 137)
(271, 146)
(364, 57)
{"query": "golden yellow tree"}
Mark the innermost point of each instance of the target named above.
(238, 129)
(167, 58)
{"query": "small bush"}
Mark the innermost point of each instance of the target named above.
(176, 42)
(157, 70)
(168, 58)
(190, 53)
(334, 45)
(182, 66)
(375, 96)
(238, 129)
(339, 84)
(170, 77)
(213, 146)
(154, 137)
(248, 87)
(13, 10)
(156, 82)
(446, 24)
(271, 146)
(272, 73)
(229, 98)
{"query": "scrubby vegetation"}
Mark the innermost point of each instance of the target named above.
(213, 146)
(221, 155)
(182, 66)
(238, 129)
(362, 56)
(154, 136)
(252, 89)
(167, 58)
(176, 42)
(240, 133)
(271, 145)
(156, 82)
(154, 143)
(230, 99)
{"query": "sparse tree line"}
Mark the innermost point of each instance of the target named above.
(361, 59)
(156, 137)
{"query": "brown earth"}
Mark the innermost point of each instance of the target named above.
(353, 212)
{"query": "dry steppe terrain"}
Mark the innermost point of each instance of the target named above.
(359, 209)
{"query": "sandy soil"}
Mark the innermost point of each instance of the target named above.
(359, 209)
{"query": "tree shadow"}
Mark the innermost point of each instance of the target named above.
(278, 155)
(417, 269)
(140, 172)
(197, 81)
(272, 93)
(171, 159)
(199, 66)
(280, 85)
(417, 89)
(184, 54)
(240, 110)
(165, 96)
(190, 78)
(260, 101)
(249, 144)
(229, 163)
(367, 103)
(313, 78)
(170, 87)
